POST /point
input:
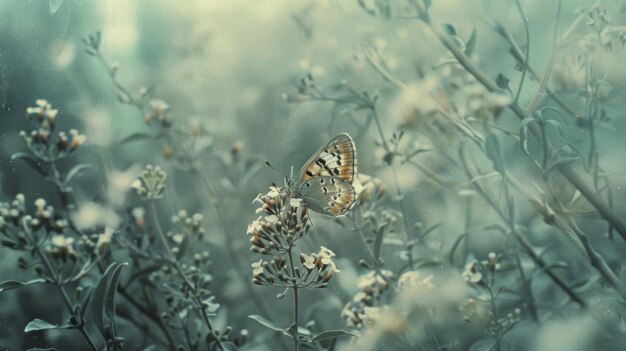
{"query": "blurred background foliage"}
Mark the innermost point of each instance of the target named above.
(221, 87)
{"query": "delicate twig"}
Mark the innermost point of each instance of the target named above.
(604, 210)
(530, 251)
(526, 51)
(296, 337)
(174, 262)
(68, 303)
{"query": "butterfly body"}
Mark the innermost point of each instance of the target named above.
(324, 182)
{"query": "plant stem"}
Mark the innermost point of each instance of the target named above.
(604, 210)
(66, 298)
(296, 341)
(150, 314)
(174, 262)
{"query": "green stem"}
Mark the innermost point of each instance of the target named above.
(296, 341)
(494, 311)
(174, 262)
(591, 196)
(66, 298)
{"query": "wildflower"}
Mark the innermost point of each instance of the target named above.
(472, 273)
(571, 72)
(43, 114)
(159, 112)
(416, 103)
(119, 183)
(325, 258)
(104, 240)
(308, 261)
(90, 214)
(413, 280)
(139, 216)
(280, 224)
(77, 139)
(368, 188)
(151, 183)
(257, 268)
(62, 247)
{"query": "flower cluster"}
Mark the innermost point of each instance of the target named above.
(18, 228)
(369, 189)
(481, 275)
(477, 312)
(42, 141)
(465, 95)
(315, 271)
(282, 223)
(159, 111)
(413, 280)
(476, 271)
(186, 226)
(151, 183)
(371, 286)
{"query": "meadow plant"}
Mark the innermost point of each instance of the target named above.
(488, 207)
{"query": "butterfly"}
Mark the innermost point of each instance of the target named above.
(324, 183)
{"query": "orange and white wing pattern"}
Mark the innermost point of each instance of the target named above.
(328, 195)
(335, 159)
(325, 181)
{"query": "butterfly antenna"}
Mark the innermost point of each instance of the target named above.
(270, 166)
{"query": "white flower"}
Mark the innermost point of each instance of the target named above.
(178, 238)
(91, 214)
(62, 241)
(471, 273)
(40, 203)
(309, 261)
(120, 182)
(271, 219)
(413, 279)
(295, 202)
(326, 256)
(257, 268)
(254, 227)
(104, 239)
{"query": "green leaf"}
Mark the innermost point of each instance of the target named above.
(38, 324)
(143, 272)
(32, 162)
(524, 134)
(492, 148)
(109, 303)
(75, 171)
(266, 323)
(104, 293)
(431, 229)
(13, 284)
(502, 82)
(331, 334)
(378, 242)
(456, 245)
(139, 137)
(449, 28)
(471, 43)
(40, 349)
(562, 161)
(54, 6)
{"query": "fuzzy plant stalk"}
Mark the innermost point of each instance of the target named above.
(151, 187)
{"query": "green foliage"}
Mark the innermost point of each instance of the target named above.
(488, 207)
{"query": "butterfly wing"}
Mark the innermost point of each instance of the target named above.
(328, 195)
(335, 159)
